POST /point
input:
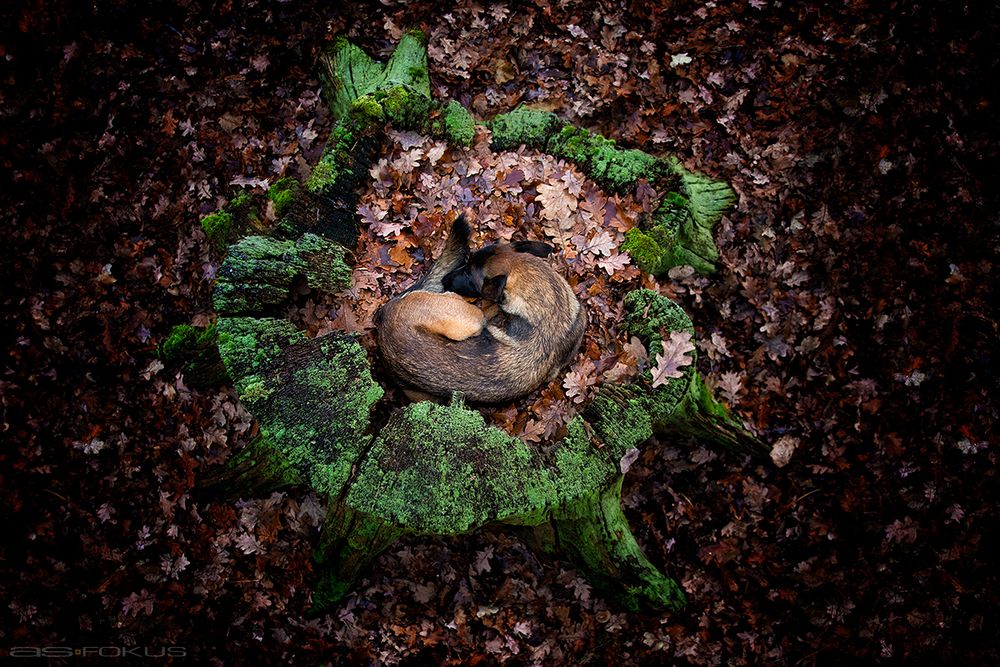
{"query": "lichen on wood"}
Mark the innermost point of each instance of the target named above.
(194, 352)
(439, 470)
(259, 272)
(312, 396)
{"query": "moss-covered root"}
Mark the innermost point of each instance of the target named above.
(595, 535)
(670, 238)
(702, 417)
(194, 352)
(312, 396)
(440, 470)
(683, 405)
(708, 199)
(257, 469)
(259, 272)
(348, 73)
(680, 230)
(351, 540)
(235, 219)
(614, 168)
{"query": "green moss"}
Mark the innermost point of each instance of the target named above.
(365, 111)
(408, 64)
(248, 344)
(235, 218)
(324, 173)
(598, 156)
(683, 405)
(240, 201)
(620, 417)
(312, 397)
(524, 126)
(179, 342)
(680, 230)
(193, 351)
(348, 73)
(405, 108)
(337, 171)
(283, 194)
(579, 145)
(648, 314)
(620, 170)
(459, 125)
(440, 470)
(581, 469)
(612, 167)
(218, 227)
(671, 238)
(322, 263)
(259, 272)
(649, 255)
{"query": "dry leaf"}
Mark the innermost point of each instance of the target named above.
(674, 357)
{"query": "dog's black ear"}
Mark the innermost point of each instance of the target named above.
(536, 248)
(479, 258)
(493, 288)
(461, 229)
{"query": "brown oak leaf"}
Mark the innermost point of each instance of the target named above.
(674, 357)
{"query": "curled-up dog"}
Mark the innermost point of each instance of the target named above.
(436, 342)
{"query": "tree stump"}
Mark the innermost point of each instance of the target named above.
(440, 469)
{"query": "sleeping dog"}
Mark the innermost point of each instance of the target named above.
(436, 342)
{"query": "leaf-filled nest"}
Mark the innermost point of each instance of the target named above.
(419, 185)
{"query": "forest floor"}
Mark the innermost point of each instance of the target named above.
(852, 323)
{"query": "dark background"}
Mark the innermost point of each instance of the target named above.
(855, 300)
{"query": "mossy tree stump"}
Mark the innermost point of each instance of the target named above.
(440, 469)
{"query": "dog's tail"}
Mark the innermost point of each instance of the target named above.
(456, 252)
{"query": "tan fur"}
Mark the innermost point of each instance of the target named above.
(445, 314)
(436, 342)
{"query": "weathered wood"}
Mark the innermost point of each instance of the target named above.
(351, 540)
(194, 351)
(594, 535)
